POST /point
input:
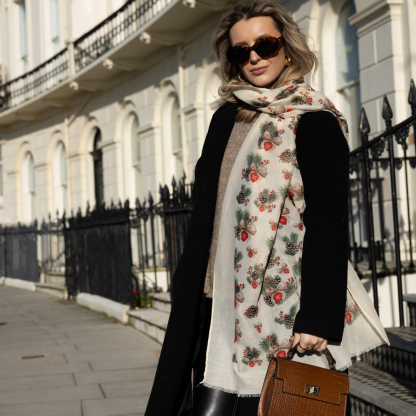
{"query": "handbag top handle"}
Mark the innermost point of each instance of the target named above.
(328, 355)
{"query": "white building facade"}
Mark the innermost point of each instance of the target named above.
(107, 99)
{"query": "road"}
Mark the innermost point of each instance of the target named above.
(59, 359)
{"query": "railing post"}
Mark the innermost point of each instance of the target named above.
(364, 130)
(387, 115)
(71, 57)
(152, 228)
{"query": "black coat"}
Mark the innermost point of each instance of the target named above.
(323, 300)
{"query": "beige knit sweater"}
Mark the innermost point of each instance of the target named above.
(238, 134)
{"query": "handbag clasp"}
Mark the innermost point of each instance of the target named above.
(312, 390)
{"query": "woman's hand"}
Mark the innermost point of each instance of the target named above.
(307, 341)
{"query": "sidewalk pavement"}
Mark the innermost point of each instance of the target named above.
(89, 364)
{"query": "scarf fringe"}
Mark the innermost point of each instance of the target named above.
(211, 386)
(360, 353)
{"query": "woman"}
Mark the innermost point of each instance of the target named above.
(274, 148)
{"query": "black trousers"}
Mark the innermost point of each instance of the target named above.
(213, 402)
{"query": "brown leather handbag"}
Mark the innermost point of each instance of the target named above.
(296, 389)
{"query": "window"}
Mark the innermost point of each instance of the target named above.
(136, 158)
(63, 178)
(55, 25)
(348, 72)
(23, 35)
(176, 134)
(32, 187)
(97, 156)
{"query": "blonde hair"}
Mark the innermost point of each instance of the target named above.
(296, 47)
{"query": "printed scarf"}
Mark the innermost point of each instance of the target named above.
(256, 297)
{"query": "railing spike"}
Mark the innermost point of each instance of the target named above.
(412, 96)
(160, 188)
(183, 176)
(138, 206)
(364, 128)
(387, 112)
(166, 192)
(173, 181)
(126, 204)
(120, 205)
(150, 198)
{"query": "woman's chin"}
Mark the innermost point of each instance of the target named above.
(261, 82)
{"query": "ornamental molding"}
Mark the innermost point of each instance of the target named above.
(375, 14)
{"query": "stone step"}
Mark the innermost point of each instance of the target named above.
(150, 321)
(161, 301)
(53, 289)
(375, 392)
(399, 358)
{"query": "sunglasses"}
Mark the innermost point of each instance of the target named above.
(266, 48)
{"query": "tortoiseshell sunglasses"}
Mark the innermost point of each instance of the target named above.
(266, 48)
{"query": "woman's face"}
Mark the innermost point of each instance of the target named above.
(260, 72)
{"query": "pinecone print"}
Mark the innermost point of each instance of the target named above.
(251, 312)
(269, 357)
(286, 156)
(260, 143)
(246, 175)
(292, 248)
(263, 198)
(237, 231)
(249, 355)
(268, 301)
(241, 197)
(289, 322)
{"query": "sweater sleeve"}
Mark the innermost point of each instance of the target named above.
(323, 158)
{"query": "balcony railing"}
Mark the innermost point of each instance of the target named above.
(115, 30)
(108, 34)
(41, 79)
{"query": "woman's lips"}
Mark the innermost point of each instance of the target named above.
(259, 70)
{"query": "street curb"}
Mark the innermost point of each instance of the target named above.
(380, 399)
(109, 307)
(17, 283)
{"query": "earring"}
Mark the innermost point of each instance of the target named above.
(239, 78)
(288, 61)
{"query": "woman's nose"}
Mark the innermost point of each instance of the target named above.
(254, 58)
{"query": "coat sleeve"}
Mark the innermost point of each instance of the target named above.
(323, 158)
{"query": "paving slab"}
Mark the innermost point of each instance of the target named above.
(127, 388)
(115, 406)
(54, 380)
(118, 364)
(50, 394)
(118, 376)
(64, 408)
(94, 365)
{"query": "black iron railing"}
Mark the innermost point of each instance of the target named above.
(98, 253)
(176, 212)
(395, 241)
(30, 85)
(52, 246)
(115, 29)
(18, 252)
